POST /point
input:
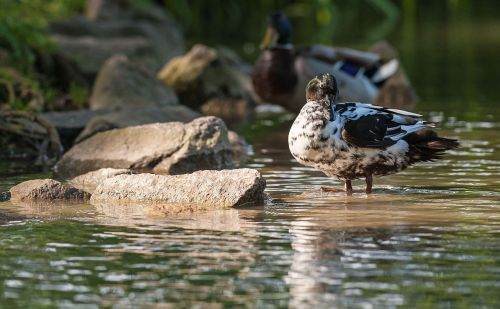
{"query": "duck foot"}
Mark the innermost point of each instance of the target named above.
(327, 189)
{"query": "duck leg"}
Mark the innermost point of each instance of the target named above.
(369, 184)
(348, 187)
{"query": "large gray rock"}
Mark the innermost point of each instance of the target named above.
(75, 126)
(205, 73)
(210, 189)
(89, 181)
(123, 84)
(46, 190)
(170, 148)
(147, 34)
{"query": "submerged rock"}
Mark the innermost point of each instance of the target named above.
(89, 181)
(203, 74)
(123, 84)
(4, 196)
(170, 148)
(214, 189)
(46, 190)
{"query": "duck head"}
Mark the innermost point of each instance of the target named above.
(279, 31)
(322, 87)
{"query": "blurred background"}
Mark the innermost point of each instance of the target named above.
(52, 50)
(448, 47)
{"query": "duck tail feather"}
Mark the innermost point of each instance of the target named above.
(426, 145)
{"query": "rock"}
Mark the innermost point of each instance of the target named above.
(102, 9)
(240, 148)
(26, 128)
(89, 181)
(90, 52)
(136, 116)
(75, 126)
(123, 84)
(233, 111)
(70, 124)
(202, 74)
(205, 146)
(171, 148)
(397, 91)
(4, 196)
(145, 33)
(215, 189)
(46, 189)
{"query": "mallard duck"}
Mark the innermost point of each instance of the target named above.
(281, 72)
(358, 140)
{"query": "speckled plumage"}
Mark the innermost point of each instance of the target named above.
(357, 140)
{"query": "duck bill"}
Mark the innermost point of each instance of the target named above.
(270, 38)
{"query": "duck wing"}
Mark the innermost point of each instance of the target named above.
(374, 126)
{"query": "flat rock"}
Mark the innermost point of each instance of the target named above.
(123, 84)
(69, 124)
(136, 116)
(89, 181)
(147, 34)
(75, 126)
(215, 189)
(46, 190)
(169, 148)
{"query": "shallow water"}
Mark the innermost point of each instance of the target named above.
(427, 237)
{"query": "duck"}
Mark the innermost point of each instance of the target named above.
(353, 140)
(282, 71)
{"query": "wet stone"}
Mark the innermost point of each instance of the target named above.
(4, 196)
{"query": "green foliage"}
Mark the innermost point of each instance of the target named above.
(18, 92)
(78, 95)
(22, 27)
(23, 36)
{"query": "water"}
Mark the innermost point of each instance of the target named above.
(427, 237)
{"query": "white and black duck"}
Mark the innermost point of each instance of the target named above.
(356, 140)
